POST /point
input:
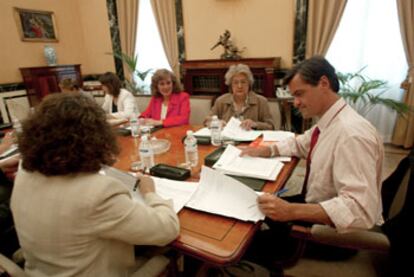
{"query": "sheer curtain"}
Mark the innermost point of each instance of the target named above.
(151, 54)
(369, 35)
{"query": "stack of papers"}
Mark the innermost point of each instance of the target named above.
(179, 192)
(277, 135)
(223, 195)
(215, 193)
(230, 162)
(232, 131)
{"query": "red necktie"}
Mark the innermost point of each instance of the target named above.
(314, 140)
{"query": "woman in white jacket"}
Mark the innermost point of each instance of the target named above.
(119, 103)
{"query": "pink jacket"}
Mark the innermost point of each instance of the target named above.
(178, 112)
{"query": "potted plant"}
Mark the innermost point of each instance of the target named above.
(364, 93)
(131, 63)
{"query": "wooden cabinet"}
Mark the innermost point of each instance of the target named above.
(206, 77)
(44, 80)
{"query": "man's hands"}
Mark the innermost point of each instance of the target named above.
(261, 151)
(274, 207)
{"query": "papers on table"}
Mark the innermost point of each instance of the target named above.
(235, 132)
(230, 162)
(127, 179)
(223, 195)
(277, 135)
(179, 192)
(215, 193)
(232, 131)
(115, 121)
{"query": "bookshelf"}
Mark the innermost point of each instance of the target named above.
(206, 77)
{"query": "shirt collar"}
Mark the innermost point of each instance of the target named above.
(330, 114)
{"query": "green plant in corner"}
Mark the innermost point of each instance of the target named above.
(364, 93)
(131, 64)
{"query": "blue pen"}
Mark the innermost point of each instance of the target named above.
(280, 192)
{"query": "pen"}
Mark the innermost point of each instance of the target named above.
(280, 192)
(136, 185)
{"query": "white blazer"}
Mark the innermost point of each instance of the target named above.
(126, 104)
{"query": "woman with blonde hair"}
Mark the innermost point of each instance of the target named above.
(169, 105)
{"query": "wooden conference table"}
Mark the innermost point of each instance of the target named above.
(214, 239)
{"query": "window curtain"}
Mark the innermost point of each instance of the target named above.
(323, 20)
(128, 23)
(164, 13)
(404, 128)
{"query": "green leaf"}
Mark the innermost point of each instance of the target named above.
(357, 88)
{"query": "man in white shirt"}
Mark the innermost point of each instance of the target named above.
(343, 183)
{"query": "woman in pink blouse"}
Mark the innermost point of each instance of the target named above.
(169, 105)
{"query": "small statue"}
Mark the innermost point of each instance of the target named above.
(231, 52)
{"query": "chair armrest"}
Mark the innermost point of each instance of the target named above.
(364, 239)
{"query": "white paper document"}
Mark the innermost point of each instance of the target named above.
(178, 191)
(277, 135)
(235, 132)
(230, 162)
(127, 179)
(223, 195)
(232, 131)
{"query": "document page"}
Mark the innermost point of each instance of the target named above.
(230, 162)
(203, 132)
(277, 135)
(223, 195)
(179, 191)
(232, 131)
(127, 179)
(235, 132)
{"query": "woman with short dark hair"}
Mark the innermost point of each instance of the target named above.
(70, 220)
(118, 103)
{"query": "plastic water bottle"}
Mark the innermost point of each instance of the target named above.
(215, 127)
(146, 153)
(191, 150)
(133, 122)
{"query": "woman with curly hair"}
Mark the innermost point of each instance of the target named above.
(169, 105)
(70, 220)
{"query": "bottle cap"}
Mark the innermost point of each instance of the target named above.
(189, 133)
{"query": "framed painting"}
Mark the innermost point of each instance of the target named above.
(36, 25)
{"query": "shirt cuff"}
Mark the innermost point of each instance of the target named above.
(339, 214)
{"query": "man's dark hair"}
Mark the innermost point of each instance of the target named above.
(67, 134)
(311, 71)
(112, 82)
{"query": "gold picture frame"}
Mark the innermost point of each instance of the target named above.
(35, 25)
